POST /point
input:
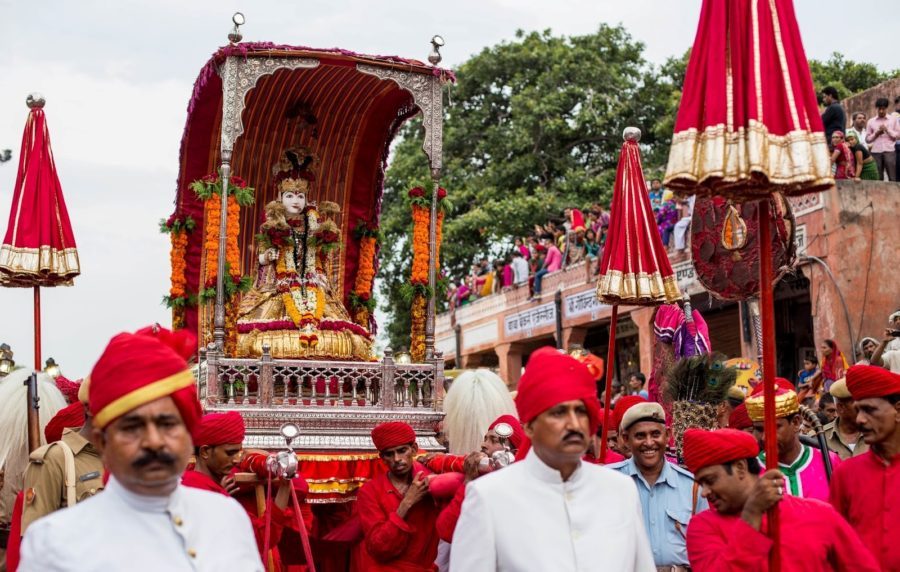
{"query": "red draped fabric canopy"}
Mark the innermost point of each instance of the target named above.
(39, 246)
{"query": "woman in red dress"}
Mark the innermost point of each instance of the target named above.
(842, 157)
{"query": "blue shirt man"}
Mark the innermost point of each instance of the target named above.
(667, 492)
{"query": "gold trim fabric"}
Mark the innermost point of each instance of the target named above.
(637, 289)
(785, 404)
(44, 266)
(287, 344)
(748, 163)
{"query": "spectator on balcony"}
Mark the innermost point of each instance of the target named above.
(552, 262)
(683, 226)
(842, 157)
(591, 246)
(864, 164)
(522, 247)
(858, 128)
(506, 271)
(575, 248)
(666, 217)
(881, 135)
(834, 117)
(463, 294)
(519, 268)
(656, 193)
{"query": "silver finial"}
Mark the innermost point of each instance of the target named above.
(632, 134)
(434, 58)
(35, 101)
(235, 36)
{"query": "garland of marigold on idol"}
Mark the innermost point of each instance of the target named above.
(209, 190)
(418, 282)
(180, 298)
(362, 303)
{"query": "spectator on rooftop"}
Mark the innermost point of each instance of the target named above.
(519, 268)
(842, 157)
(858, 128)
(881, 134)
(656, 193)
(864, 164)
(552, 262)
(834, 117)
(591, 246)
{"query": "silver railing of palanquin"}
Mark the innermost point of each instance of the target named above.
(335, 403)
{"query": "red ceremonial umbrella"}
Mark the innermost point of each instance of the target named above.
(39, 247)
(748, 126)
(635, 268)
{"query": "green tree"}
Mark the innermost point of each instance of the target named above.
(847, 76)
(535, 125)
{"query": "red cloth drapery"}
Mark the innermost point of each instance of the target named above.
(635, 267)
(749, 122)
(39, 247)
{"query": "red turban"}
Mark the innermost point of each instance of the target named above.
(865, 381)
(518, 435)
(219, 429)
(551, 378)
(624, 403)
(68, 388)
(136, 369)
(392, 434)
(706, 448)
(739, 418)
(70, 417)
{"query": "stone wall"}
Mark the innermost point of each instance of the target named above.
(865, 100)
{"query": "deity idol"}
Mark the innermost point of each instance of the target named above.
(293, 306)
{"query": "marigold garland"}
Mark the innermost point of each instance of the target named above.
(179, 298)
(417, 329)
(420, 201)
(362, 303)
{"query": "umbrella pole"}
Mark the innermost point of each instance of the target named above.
(610, 362)
(767, 311)
(37, 328)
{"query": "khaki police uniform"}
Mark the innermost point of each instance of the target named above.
(55, 479)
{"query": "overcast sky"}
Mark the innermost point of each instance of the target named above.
(117, 77)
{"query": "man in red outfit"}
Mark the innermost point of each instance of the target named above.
(396, 512)
(731, 535)
(866, 489)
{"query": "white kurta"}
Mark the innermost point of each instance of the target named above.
(190, 530)
(525, 518)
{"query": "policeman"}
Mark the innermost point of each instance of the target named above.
(68, 470)
(668, 496)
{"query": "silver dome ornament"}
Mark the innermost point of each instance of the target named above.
(35, 100)
(632, 134)
(435, 57)
(235, 36)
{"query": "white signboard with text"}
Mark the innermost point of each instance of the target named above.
(527, 320)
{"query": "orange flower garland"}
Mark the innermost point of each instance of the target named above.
(365, 277)
(179, 298)
(421, 217)
(417, 329)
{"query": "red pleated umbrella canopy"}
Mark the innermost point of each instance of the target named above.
(39, 246)
(635, 268)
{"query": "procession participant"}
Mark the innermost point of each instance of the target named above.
(67, 471)
(864, 489)
(668, 495)
(802, 465)
(731, 536)
(843, 435)
(520, 518)
(740, 420)
(218, 448)
(396, 512)
(143, 405)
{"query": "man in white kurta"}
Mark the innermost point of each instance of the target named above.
(552, 510)
(189, 530)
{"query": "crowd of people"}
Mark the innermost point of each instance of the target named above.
(870, 147)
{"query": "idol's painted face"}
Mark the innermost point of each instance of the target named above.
(294, 202)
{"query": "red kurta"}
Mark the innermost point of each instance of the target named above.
(393, 543)
(441, 463)
(817, 539)
(866, 491)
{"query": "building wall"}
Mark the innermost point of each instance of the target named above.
(865, 100)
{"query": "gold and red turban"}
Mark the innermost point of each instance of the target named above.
(739, 419)
(704, 448)
(518, 435)
(622, 406)
(551, 378)
(865, 381)
(786, 403)
(139, 368)
(392, 434)
(70, 417)
(220, 429)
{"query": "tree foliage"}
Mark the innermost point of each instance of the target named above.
(847, 76)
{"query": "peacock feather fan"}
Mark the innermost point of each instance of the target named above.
(700, 379)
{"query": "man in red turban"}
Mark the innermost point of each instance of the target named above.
(396, 512)
(740, 420)
(865, 488)
(143, 405)
(731, 535)
(553, 487)
(618, 413)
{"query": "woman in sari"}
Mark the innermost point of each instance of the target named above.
(842, 157)
(865, 163)
(834, 365)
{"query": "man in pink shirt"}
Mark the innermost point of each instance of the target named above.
(552, 262)
(881, 132)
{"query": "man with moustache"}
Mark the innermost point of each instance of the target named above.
(668, 496)
(552, 510)
(731, 536)
(143, 403)
(396, 512)
(866, 488)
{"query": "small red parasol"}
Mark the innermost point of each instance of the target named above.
(748, 126)
(635, 268)
(39, 248)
